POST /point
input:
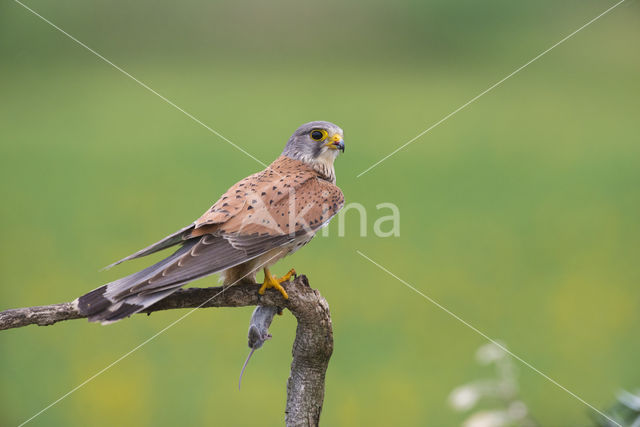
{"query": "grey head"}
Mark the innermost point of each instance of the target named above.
(317, 144)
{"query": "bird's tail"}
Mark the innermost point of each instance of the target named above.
(119, 299)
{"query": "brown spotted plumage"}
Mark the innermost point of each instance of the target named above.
(259, 220)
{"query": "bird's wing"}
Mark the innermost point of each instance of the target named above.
(203, 256)
(171, 240)
(254, 230)
(198, 257)
(267, 182)
(273, 210)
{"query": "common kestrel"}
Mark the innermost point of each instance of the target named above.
(258, 221)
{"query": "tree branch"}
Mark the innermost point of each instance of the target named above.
(312, 347)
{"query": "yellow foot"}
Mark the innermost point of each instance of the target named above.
(274, 282)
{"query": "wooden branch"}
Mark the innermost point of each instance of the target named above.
(312, 347)
(312, 350)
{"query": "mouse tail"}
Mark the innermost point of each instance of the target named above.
(244, 366)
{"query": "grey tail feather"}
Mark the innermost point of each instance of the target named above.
(170, 240)
(125, 309)
(106, 304)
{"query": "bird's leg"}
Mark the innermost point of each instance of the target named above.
(274, 282)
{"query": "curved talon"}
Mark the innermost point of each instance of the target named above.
(274, 282)
(288, 276)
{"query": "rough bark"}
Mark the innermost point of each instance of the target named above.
(312, 350)
(312, 347)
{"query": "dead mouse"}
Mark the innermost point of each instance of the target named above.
(258, 331)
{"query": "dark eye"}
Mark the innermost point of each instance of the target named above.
(317, 135)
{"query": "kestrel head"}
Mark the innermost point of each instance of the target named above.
(316, 143)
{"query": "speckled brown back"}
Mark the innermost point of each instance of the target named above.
(288, 197)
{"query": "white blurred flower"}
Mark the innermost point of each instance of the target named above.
(501, 389)
(489, 353)
(464, 397)
(487, 419)
(517, 410)
(630, 400)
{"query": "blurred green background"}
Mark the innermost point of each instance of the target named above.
(519, 214)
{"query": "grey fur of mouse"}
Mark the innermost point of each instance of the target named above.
(258, 331)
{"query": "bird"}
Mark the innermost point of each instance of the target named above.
(255, 223)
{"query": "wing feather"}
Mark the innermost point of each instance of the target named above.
(265, 211)
(198, 258)
(170, 240)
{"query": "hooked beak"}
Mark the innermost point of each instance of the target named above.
(336, 143)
